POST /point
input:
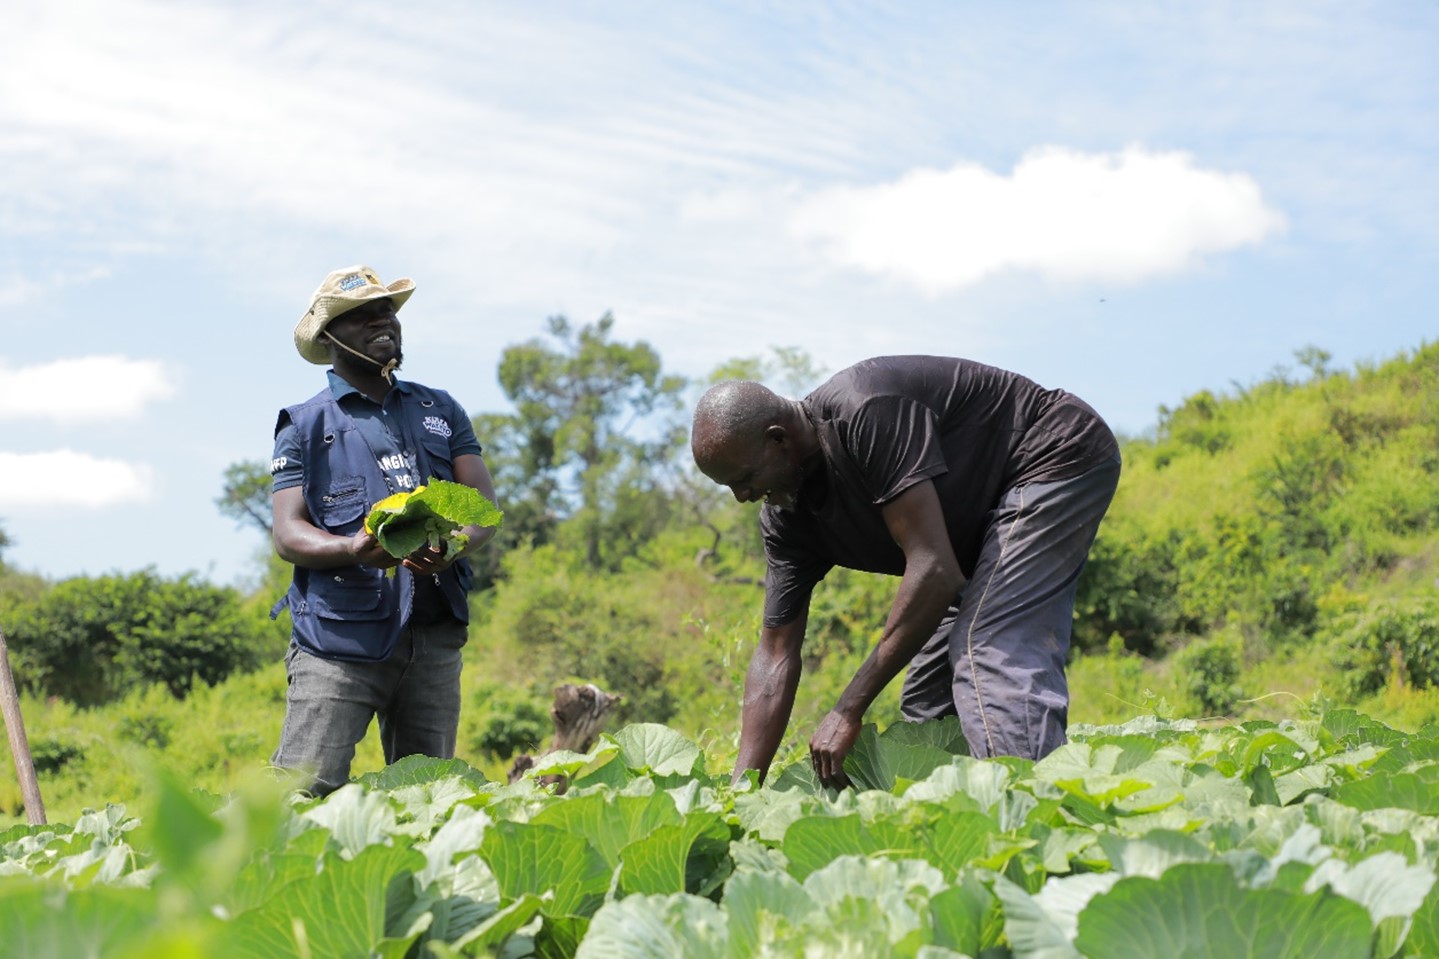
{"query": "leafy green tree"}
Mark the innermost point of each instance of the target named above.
(592, 440)
(525, 488)
(89, 640)
(788, 370)
(246, 495)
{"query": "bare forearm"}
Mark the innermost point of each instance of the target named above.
(298, 540)
(925, 593)
(478, 537)
(314, 548)
(769, 691)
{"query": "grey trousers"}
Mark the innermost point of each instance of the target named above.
(329, 705)
(997, 659)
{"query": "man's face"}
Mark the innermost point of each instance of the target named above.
(372, 329)
(769, 470)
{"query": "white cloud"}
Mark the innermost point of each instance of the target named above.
(68, 478)
(87, 388)
(1063, 214)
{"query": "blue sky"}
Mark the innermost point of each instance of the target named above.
(1132, 201)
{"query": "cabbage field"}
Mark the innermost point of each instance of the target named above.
(1304, 839)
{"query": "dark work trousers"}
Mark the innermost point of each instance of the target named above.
(998, 657)
(329, 704)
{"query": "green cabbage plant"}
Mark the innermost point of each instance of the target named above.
(432, 515)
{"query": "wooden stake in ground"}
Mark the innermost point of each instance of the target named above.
(579, 713)
(19, 745)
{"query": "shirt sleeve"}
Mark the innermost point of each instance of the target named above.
(286, 469)
(464, 440)
(894, 443)
(791, 569)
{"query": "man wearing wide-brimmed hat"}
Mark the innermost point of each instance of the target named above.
(364, 643)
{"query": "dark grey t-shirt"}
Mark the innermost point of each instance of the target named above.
(887, 423)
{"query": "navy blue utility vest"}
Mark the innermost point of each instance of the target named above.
(358, 612)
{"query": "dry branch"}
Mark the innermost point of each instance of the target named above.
(19, 744)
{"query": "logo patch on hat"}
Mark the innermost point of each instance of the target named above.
(438, 425)
(352, 281)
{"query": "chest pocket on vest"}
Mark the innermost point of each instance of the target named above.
(438, 450)
(349, 600)
(344, 504)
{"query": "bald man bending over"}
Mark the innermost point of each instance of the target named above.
(976, 486)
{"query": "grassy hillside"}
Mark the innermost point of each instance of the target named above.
(1281, 540)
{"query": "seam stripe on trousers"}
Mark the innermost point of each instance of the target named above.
(979, 610)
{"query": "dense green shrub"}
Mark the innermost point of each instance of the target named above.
(50, 755)
(1128, 588)
(506, 720)
(1394, 642)
(1209, 672)
(560, 621)
(90, 640)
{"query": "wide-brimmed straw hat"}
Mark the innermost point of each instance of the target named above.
(342, 291)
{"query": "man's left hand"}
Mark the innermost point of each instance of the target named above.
(830, 743)
(427, 560)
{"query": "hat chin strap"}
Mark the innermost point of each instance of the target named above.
(387, 370)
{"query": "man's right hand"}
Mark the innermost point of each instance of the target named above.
(368, 552)
(831, 742)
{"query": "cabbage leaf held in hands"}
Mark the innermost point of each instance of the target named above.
(432, 515)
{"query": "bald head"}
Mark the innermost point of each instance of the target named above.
(758, 444)
(735, 412)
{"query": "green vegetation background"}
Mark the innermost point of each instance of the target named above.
(1271, 550)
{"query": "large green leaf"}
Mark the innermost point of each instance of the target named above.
(857, 894)
(763, 906)
(489, 936)
(965, 916)
(265, 875)
(610, 822)
(1101, 782)
(1043, 925)
(1153, 853)
(1423, 939)
(657, 927)
(986, 784)
(337, 913)
(539, 859)
(356, 818)
(946, 840)
(1418, 790)
(945, 734)
(1274, 751)
(813, 842)
(456, 887)
(418, 770)
(677, 858)
(1199, 911)
(47, 921)
(768, 813)
(432, 514)
(1384, 884)
(657, 749)
(904, 751)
